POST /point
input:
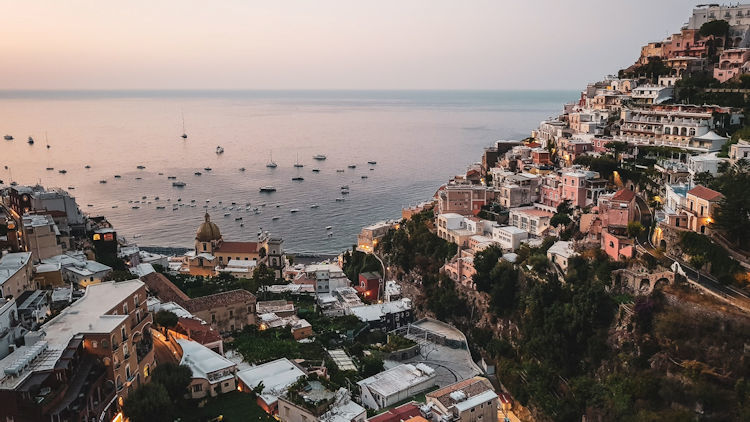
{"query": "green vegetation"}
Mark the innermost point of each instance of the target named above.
(653, 69)
(197, 286)
(605, 165)
(166, 319)
(259, 346)
(703, 251)
(162, 397)
(397, 342)
(717, 28)
(234, 407)
(733, 214)
(413, 245)
(357, 262)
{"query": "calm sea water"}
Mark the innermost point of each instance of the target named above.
(418, 139)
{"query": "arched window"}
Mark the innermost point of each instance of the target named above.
(692, 131)
(667, 130)
(683, 131)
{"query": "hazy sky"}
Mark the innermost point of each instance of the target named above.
(325, 44)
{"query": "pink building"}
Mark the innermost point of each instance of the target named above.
(461, 268)
(617, 212)
(550, 191)
(600, 144)
(731, 63)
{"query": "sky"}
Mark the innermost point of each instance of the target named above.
(325, 44)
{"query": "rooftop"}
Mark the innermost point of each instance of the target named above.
(705, 193)
(204, 362)
(399, 378)
(89, 314)
(276, 377)
(219, 299)
(237, 247)
(374, 312)
(471, 387)
(11, 263)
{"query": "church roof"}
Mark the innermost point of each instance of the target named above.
(208, 231)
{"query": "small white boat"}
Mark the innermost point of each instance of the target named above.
(352, 166)
(136, 236)
(297, 164)
(293, 210)
(319, 157)
(329, 227)
(274, 218)
(219, 150)
(238, 219)
(135, 207)
(339, 199)
(178, 184)
(372, 163)
(364, 177)
(102, 181)
(271, 164)
(160, 208)
(267, 189)
(345, 187)
(114, 206)
(141, 167)
(339, 170)
(117, 176)
(316, 170)
(242, 169)
(227, 214)
(87, 166)
(314, 206)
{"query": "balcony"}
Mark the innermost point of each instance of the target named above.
(144, 346)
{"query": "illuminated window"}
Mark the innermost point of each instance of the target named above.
(97, 236)
(146, 371)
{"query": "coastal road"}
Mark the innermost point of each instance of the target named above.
(163, 351)
(708, 282)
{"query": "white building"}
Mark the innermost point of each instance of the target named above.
(740, 150)
(10, 328)
(470, 400)
(58, 200)
(704, 162)
(509, 237)
(653, 94)
(328, 277)
(239, 268)
(385, 316)
(560, 253)
(396, 384)
(534, 219)
(276, 376)
(213, 374)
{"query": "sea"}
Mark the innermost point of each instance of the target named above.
(418, 140)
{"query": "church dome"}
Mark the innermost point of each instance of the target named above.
(208, 231)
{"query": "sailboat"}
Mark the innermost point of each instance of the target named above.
(184, 134)
(297, 164)
(271, 164)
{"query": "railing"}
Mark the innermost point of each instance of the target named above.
(120, 387)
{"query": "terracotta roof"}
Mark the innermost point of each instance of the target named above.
(237, 247)
(471, 387)
(703, 192)
(164, 289)
(623, 195)
(398, 414)
(198, 331)
(219, 299)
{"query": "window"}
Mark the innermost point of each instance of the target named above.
(213, 317)
(122, 331)
(146, 371)
(231, 313)
(197, 388)
(94, 344)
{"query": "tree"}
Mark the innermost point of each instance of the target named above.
(635, 229)
(484, 262)
(149, 402)
(166, 319)
(263, 276)
(733, 213)
(617, 148)
(175, 379)
(703, 178)
(371, 365)
(559, 219)
(717, 28)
